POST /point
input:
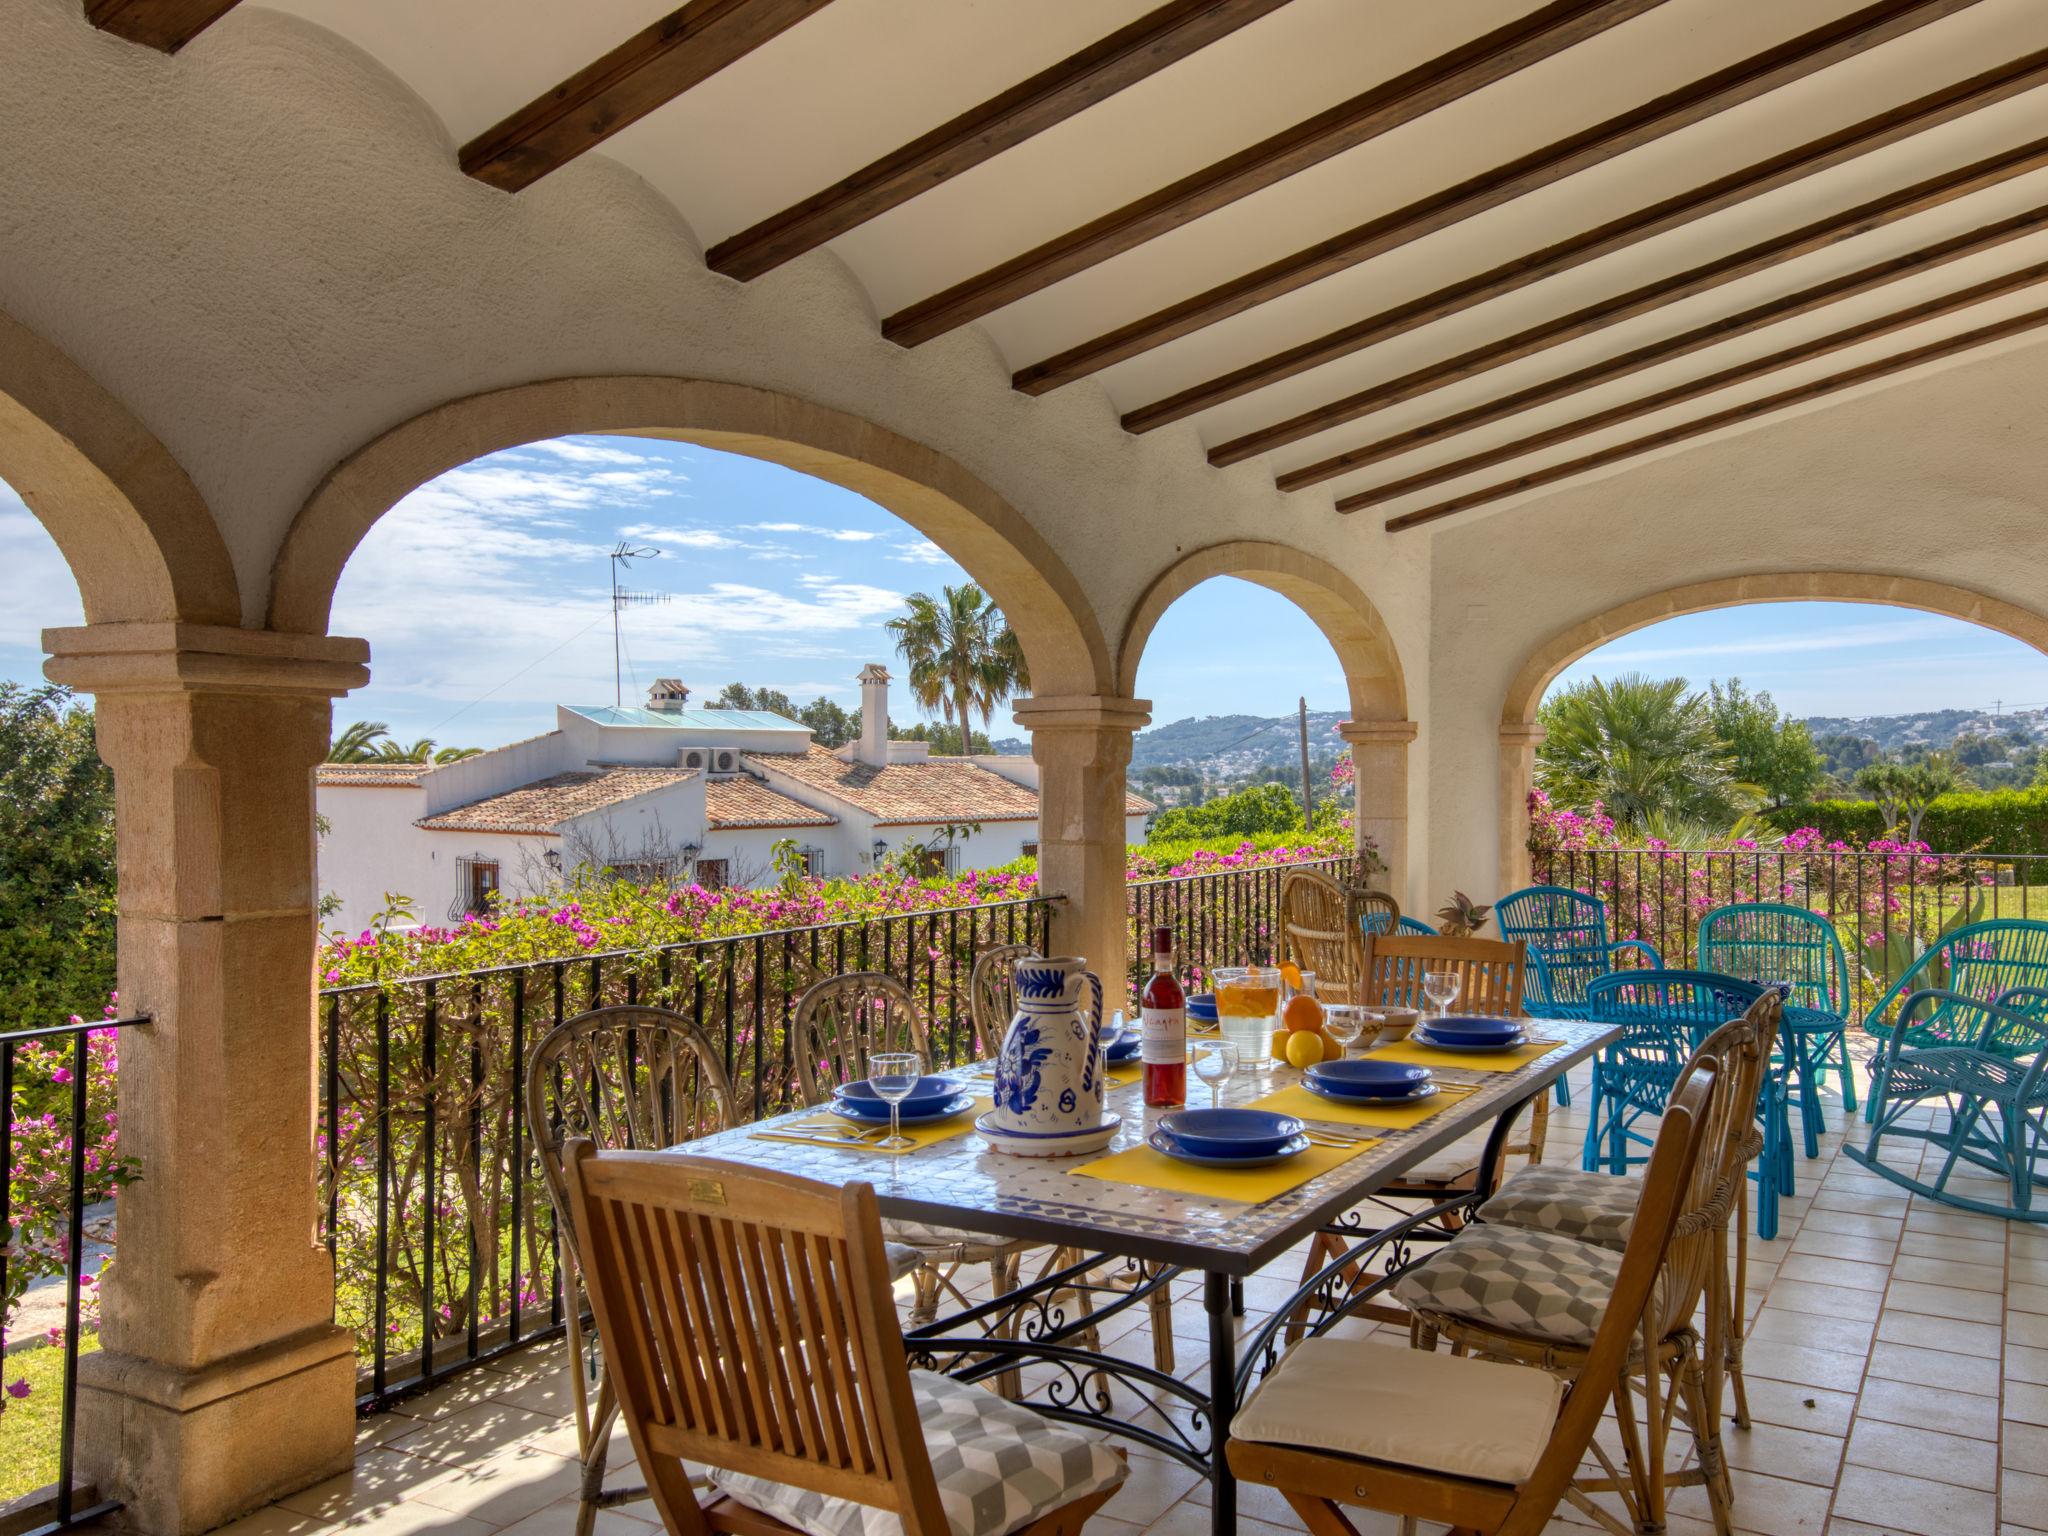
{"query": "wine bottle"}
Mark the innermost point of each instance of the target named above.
(1163, 1045)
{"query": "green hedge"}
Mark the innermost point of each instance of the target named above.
(2001, 821)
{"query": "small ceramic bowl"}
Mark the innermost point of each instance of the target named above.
(1397, 1022)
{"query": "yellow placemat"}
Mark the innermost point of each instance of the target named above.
(1155, 1170)
(1303, 1105)
(1125, 1073)
(1465, 1061)
(920, 1135)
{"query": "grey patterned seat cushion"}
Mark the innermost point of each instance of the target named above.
(1592, 1207)
(998, 1466)
(1535, 1284)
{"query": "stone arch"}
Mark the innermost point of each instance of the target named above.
(138, 536)
(1335, 603)
(1519, 734)
(935, 495)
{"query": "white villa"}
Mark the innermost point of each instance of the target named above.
(664, 791)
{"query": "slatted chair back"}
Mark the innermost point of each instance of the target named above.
(1983, 961)
(840, 1021)
(1771, 942)
(1569, 946)
(992, 995)
(1490, 972)
(1317, 936)
(622, 1078)
(1664, 1015)
(1372, 911)
(749, 1324)
(1635, 1307)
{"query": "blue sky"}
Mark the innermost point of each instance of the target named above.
(483, 596)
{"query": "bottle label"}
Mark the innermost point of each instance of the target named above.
(1163, 1040)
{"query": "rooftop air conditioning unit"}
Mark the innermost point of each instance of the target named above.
(694, 758)
(728, 762)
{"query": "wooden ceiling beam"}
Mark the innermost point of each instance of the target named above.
(1800, 394)
(1932, 193)
(648, 70)
(1727, 328)
(1133, 53)
(1757, 75)
(165, 25)
(1551, 28)
(1694, 389)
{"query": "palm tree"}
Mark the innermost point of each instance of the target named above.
(1644, 748)
(358, 743)
(962, 657)
(422, 751)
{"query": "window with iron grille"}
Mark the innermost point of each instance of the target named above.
(1031, 850)
(712, 874)
(814, 862)
(476, 882)
(639, 871)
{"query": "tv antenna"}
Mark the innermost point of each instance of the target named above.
(622, 559)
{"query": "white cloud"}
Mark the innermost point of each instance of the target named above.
(921, 552)
(583, 451)
(843, 535)
(1844, 637)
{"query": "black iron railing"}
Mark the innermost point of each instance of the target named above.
(1224, 917)
(1886, 907)
(58, 1151)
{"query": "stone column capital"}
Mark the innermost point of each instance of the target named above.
(1082, 711)
(1366, 733)
(170, 658)
(1523, 735)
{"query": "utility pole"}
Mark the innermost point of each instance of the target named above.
(623, 557)
(1308, 804)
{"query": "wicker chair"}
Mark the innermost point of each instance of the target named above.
(1555, 1321)
(1319, 936)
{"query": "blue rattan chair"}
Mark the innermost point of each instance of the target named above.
(1663, 1016)
(1981, 963)
(1987, 1071)
(1374, 924)
(1566, 931)
(1793, 947)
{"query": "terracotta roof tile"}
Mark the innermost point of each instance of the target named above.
(749, 803)
(375, 775)
(545, 804)
(939, 789)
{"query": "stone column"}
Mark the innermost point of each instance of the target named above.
(1518, 744)
(1379, 760)
(1082, 745)
(222, 1380)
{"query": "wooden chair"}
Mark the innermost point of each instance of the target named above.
(1455, 1295)
(753, 1330)
(1319, 936)
(1485, 1447)
(621, 1078)
(992, 1000)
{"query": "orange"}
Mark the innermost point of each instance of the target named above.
(1304, 1048)
(1280, 1039)
(1302, 1012)
(1291, 974)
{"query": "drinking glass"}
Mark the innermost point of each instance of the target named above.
(1112, 1034)
(1247, 1011)
(1441, 988)
(1289, 993)
(1215, 1064)
(893, 1074)
(1345, 1022)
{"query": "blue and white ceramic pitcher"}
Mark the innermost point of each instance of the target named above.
(1049, 1073)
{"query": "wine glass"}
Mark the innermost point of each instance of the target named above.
(1345, 1022)
(893, 1074)
(1441, 988)
(1112, 1035)
(1215, 1064)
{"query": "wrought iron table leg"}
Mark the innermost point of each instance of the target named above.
(1217, 1292)
(1236, 1297)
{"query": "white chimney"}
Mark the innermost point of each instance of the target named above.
(874, 716)
(668, 696)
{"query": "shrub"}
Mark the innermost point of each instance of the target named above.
(1991, 823)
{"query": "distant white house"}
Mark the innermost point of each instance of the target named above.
(663, 792)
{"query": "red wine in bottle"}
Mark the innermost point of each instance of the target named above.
(1163, 1045)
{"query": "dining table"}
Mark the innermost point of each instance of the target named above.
(1123, 1207)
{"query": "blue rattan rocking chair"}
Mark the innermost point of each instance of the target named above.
(1984, 962)
(1663, 1016)
(1987, 1071)
(1566, 931)
(1771, 943)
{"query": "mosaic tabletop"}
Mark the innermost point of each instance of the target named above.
(962, 1183)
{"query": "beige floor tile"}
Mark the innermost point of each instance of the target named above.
(2027, 1268)
(1767, 1506)
(560, 1520)
(1851, 1223)
(1154, 1486)
(2023, 1499)
(1915, 1504)
(1944, 1301)
(1826, 1300)
(1948, 1333)
(2024, 1363)
(548, 1393)
(2023, 1445)
(2029, 1328)
(1798, 1407)
(2028, 1298)
(1926, 1216)
(475, 1433)
(1776, 1326)
(1932, 1245)
(1797, 1454)
(1827, 1368)
(508, 1487)
(1925, 1453)
(1947, 1271)
(1934, 1368)
(1860, 1202)
(1816, 1241)
(379, 1477)
(1847, 1273)
(412, 1519)
(1956, 1413)
(276, 1520)
(2026, 1402)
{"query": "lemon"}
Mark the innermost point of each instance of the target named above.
(1304, 1048)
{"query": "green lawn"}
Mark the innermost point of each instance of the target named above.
(28, 1426)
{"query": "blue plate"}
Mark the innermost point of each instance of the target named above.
(861, 1099)
(932, 1109)
(1229, 1133)
(1127, 1048)
(1422, 1036)
(1202, 1005)
(1361, 1075)
(1458, 1030)
(1163, 1143)
(1368, 1100)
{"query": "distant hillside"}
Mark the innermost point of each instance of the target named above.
(1934, 729)
(1226, 745)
